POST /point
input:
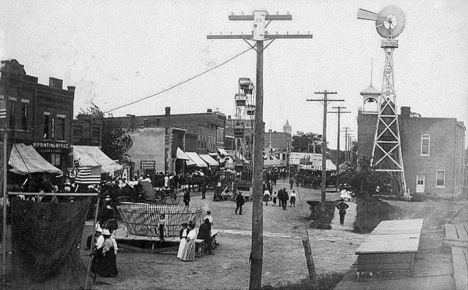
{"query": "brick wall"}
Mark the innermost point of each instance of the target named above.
(446, 150)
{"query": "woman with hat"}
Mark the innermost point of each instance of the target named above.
(183, 239)
(107, 261)
(188, 254)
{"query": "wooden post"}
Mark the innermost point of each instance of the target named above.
(4, 213)
(310, 261)
(324, 102)
(88, 268)
(339, 112)
(257, 206)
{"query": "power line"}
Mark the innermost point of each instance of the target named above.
(180, 83)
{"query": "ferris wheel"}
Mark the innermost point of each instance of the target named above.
(244, 119)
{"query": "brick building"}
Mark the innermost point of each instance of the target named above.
(432, 148)
(197, 132)
(87, 130)
(37, 114)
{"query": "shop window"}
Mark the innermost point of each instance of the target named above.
(55, 159)
(440, 178)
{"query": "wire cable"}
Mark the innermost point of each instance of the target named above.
(179, 83)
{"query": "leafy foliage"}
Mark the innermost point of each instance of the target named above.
(115, 142)
(364, 181)
(371, 211)
(304, 142)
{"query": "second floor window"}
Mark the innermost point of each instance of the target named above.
(46, 134)
(60, 127)
(95, 132)
(12, 106)
(425, 144)
(24, 115)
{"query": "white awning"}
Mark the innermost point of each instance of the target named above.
(208, 159)
(92, 156)
(24, 159)
(181, 154)
(195, 158)
(223, 152)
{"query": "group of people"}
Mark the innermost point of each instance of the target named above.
(189, 233)
(282, 196)
(104, 253)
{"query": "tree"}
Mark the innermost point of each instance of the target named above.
(305, 142)
(365, 180)
(115, 142)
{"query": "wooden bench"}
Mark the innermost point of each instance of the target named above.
(390, 250)
(456, 236)
(200, 244)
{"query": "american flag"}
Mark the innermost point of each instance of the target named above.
(2, 107)
(88, 175)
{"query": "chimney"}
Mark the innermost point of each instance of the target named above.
(229, 117)
(168, 111)
(55, 83)
(71, 89)
(209, 111)
(405, 112)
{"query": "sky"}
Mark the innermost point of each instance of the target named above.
(118, 51)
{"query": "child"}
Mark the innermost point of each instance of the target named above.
(161, 226)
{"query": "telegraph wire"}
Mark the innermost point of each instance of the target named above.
(179, 83)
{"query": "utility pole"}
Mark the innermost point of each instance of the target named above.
(324, 102)
(346, 141)
(259, 35)
(339, 112)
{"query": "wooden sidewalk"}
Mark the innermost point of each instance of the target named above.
(456, 237)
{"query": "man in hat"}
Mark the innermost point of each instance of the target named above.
(204, 233)
(342, 206)
(239, 203)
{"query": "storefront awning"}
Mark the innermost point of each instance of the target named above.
(195, 158)
(24, 159)
(223, 152)
(181, 154)
(92, 156)
(273, 163)
(318, 166)
(208, 159)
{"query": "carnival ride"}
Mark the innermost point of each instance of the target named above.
(243, 134)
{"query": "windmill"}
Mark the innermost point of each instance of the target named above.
(386, 151)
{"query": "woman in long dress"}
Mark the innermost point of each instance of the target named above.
(183, 240)
(108, 262)
(188, 254)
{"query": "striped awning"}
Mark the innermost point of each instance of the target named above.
(181, 154)
(273, 163)
(208, 159)
(196, 159)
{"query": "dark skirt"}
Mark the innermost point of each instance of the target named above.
(105, 265)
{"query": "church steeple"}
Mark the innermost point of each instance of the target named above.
(287, 128)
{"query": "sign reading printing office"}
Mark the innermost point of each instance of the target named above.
(148, 164)
(51, 147)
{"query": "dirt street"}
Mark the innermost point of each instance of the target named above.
(228, 268)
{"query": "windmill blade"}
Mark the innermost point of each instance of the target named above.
(367, 15)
